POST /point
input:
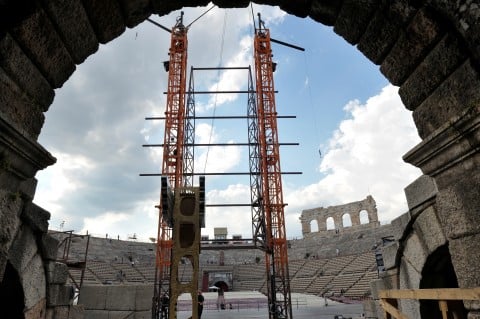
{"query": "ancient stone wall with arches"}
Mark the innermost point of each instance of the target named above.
(429, 49)
(343, 217)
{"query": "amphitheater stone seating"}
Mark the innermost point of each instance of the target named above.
(320, 285)
(325, 273)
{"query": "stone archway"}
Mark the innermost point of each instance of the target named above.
(11, 294)
(428, 48)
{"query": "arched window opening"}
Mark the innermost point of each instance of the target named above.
(346, 220)
(314, 226)
(364, 217)
(330, 223)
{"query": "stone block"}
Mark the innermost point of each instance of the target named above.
(410, 307)
(143, 314)
(93, 297)
(33, 282)
(389, 254)
(96, 314)
(59, 295)
(21, 70)
(106, 19)
(456, 94)
(57, 273)
(353, 18)
(473, 315)
(61, 312)
(48, 247)
(414, 252)
(79, 37)
(409, 277)
(390, 278)
(121, 298)
(122, 315)
(420, 191)
(428, 228)
(19, 110)
(49, 313)
(400, 224)
(40, 41)
(76, 312)
(439, 63)
(28, 187)
(37, 311)
(466, 262)
(379, 37)
(135, 12)
(376, 285)
(23, 249)
(325, 12)
(457, 204)
(36, 217)
(411, 47)
(143, 297)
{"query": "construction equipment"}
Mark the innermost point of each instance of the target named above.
(173, 169)
(266, 187)
(181, 209)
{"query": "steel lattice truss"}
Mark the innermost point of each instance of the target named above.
(275, 244)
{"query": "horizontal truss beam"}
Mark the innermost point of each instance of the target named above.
(220, 144)
(224, 174)
(242, 117)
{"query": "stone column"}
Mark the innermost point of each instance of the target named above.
(451, 156)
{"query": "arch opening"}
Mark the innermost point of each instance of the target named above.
(12, 299)
(438, 272)
(346, 220)
(364, 218)
(330, 223)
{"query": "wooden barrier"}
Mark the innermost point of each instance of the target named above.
(388, 298)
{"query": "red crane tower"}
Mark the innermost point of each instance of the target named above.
(276, 258)
(173, 164)
(267, 196)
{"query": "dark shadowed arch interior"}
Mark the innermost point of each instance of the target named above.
(438, 272)
(11, 295)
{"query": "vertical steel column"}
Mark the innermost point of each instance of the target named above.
(172, 166)
(276, 242)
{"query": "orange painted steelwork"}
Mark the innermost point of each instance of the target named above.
(276, 243)
(172, 166)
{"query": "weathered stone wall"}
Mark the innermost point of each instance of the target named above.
(320, 215)
(104, 302)
(430, 49)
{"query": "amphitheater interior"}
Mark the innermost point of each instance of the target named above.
(314, 265)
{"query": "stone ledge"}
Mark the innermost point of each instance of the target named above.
(23, 156)
(449, 145)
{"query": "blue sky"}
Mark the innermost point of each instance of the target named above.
(344, 107)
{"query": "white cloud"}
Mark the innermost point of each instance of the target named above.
(236, 219)
(214, 158)
(363, 157)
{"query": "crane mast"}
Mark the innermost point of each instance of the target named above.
(173, 164)
(272, 221)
